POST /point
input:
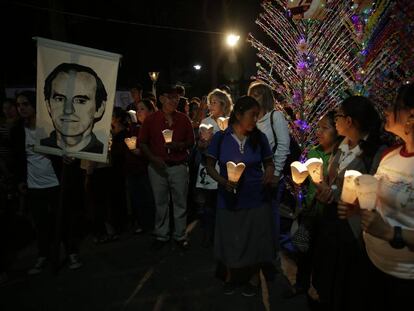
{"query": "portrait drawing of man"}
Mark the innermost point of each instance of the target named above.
(75, 97)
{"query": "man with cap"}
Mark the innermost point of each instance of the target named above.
(168, 168)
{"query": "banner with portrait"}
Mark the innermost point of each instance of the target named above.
(75, 97)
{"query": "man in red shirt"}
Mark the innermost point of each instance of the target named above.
(168, 169)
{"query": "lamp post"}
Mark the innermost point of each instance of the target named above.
(154, 77)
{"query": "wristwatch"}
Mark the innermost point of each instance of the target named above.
(397, 241)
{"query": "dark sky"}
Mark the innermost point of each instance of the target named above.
(144, 49)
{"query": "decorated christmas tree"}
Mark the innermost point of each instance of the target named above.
(323, 51)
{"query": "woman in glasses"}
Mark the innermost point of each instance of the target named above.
(340, 276)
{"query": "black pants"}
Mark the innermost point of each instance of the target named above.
(43, 204)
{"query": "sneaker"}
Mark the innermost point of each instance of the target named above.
(38, 267)
(229, 288)
(74, 262)
(250, 290)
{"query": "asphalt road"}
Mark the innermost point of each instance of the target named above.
(127, 275)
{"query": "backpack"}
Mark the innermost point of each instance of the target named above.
(294, 149)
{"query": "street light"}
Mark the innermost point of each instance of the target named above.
(232, 39)
(197, 67)
(154, 77)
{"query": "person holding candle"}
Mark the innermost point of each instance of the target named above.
(389, 229)
(340, 273)
(168, 168)
(244, 227)
(205, 194)
(328, 140)
(135, 168)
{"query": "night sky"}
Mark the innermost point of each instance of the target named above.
(144, 49)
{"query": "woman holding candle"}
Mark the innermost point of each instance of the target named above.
(243, 234)
(340, 271)
(135, 168)
(389, 229)
(205, 194)
(328, 140)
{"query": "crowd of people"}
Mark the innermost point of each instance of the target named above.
(356, 259)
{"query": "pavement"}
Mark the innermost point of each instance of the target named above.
(127, 275)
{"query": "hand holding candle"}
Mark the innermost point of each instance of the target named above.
(315, 169)
(234, 171)
(366, 191)
(223, 122)
(299, 172)
(131, 142)
(206, 131)
(348, 194)
(168, 134)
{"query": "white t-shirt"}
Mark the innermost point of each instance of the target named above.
(40, 173)
(396, 206)
(204, 181)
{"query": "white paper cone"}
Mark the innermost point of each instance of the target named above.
(299, 172)
(168, 134)
(133, 115)
(315, 169)
(206, 131)
(366, 190)
(234, 171)
(131, 142)
(223, 122)
(348, 194)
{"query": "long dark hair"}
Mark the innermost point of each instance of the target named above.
(242, 105)
(367, 119)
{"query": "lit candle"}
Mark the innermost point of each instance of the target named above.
(366, 190)
(168, 134)
(131, 142)
(206, 131)
(234, 171)
(314, 166)
(299, 172)
(348, 194)
(223, 122)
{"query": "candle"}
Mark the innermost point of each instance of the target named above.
(234, 171)
(206, 131)
(314, 166)
(366, 190)
(131, 142)
(348, 194)
(223, 122)
(299, 172)
(168, 134)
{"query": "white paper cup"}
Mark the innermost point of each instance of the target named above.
(348, 194)
(315, 169)
(299, 172)
(168, 134)
(366, 190)
(223, 122)
(131, 142)
(234, 171)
